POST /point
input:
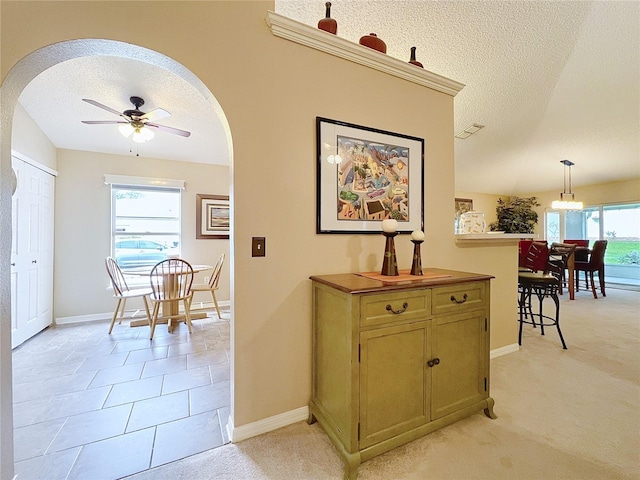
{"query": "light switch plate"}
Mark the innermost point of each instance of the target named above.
(258, 247)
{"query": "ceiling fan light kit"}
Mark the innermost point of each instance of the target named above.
(567, 198)
(136, 124)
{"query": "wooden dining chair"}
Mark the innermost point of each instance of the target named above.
(171, 282)
(582, 253)
(122, 292)
(594, 264)
(212, 286)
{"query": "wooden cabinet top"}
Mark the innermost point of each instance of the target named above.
(433, 277)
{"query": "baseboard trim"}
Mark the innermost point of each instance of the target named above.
(131, 314)
(507, 349)
(93, 317)
(237, 434)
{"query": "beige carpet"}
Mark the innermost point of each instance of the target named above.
(562, 414)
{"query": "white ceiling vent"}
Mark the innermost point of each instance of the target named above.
(470, 130)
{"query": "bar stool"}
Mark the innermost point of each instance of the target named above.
(542, 284)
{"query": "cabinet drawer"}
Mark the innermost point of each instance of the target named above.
(394, 307)
(457, 298)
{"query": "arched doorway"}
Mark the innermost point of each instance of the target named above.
(19, 77)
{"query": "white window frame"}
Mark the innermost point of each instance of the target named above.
(117, 182)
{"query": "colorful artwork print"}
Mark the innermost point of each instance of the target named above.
(373, 180)
(366, 175)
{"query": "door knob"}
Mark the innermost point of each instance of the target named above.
(434, 362)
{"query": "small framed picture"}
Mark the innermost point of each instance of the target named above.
(212, 216)
(463, 205)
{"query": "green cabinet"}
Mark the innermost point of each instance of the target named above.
(395, 361)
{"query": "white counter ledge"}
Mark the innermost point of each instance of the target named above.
(494, 237)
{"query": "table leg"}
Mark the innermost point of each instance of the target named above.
(571, 267)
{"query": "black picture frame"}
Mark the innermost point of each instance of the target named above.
(380, 175)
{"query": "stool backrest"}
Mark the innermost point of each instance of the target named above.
(559, 254)
(537, 256)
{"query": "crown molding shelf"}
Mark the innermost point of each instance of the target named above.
(326, 42)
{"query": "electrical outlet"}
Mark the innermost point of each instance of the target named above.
(206, 279)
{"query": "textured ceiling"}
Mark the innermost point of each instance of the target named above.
(54, 100)
(549, 80)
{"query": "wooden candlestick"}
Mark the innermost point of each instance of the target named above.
(389, 264)
(416, 266)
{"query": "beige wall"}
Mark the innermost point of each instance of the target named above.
(83, 224)
(271, 90)
(29, 140)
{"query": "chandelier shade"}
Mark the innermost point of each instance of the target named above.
(567, 197)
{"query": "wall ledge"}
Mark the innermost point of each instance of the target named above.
(326, 42)
(494, 237)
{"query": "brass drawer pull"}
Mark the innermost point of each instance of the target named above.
(397, 312)
(454, 299)
(434, 362)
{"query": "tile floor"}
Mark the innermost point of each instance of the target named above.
(94, 406)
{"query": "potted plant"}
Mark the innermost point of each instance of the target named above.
(516, 216)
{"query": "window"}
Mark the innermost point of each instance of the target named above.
(145, 224)
(618, 224)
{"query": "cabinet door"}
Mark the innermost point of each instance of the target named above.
(393, 381)
(460, 343)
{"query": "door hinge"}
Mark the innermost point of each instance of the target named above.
(485, 384)
(358, 431)
(358, 353)
(486, 326)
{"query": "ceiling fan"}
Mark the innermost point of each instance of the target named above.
(137, 122)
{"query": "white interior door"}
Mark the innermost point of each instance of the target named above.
(31, 252)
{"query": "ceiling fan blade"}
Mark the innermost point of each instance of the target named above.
(104, 107)
(102, 122)
(155, 114)
(164, 128)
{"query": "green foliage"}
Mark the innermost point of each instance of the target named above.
(632, 258)
(517, 216)
(623, 252)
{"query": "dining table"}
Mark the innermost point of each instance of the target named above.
(170, 310)
(571, 285)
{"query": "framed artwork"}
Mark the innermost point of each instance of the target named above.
(463, 205)
(366, 175)
(212, 216)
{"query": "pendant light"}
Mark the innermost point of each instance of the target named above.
(567, 198)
